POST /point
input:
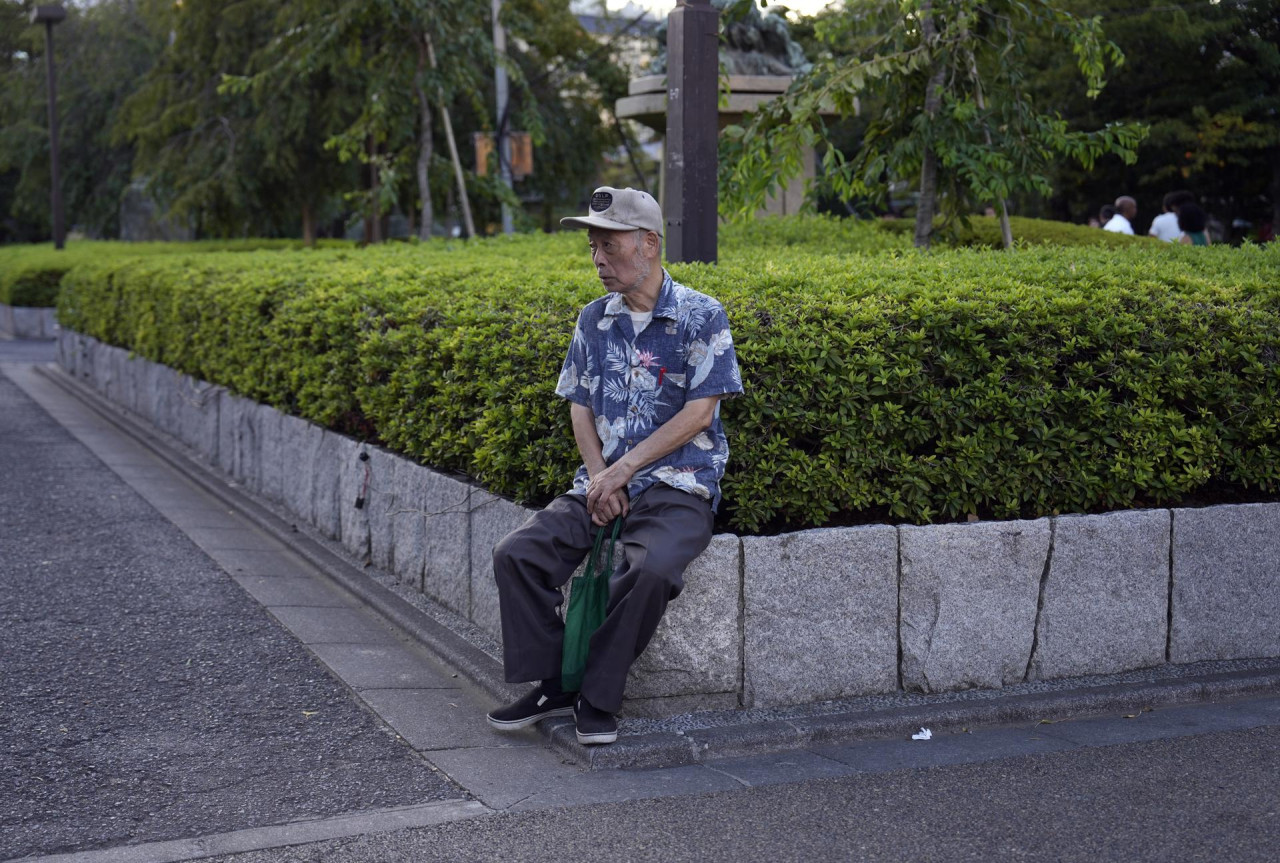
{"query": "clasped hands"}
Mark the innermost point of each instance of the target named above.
(607, 494)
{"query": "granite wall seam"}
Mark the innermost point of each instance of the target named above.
(1218, 589)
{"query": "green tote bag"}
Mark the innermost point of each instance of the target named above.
(588, 599)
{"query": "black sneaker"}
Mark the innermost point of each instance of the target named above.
(593, 725)
(535, 705)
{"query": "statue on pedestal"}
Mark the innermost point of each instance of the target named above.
(754, 44)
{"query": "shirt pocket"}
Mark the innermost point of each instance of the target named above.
(671, 394)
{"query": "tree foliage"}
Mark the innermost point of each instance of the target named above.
(100, 53)
(271, 119)
(1205, 76)
(945, 82)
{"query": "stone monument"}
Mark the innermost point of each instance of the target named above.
(761, 60)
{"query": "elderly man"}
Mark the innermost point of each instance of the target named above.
(647, 368)
(1122, 221)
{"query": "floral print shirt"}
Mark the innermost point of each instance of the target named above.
(633, 384)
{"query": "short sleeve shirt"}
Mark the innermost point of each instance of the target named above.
(1119, 225)
(633, 384)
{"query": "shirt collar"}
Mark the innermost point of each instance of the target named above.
(666, 307)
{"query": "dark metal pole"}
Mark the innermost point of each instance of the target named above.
(50, 15)
(693, 127)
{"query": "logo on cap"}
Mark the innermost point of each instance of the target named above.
(601, 201)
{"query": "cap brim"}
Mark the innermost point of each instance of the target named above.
(598, 222)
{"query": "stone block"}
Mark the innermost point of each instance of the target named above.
(300, 441)
(820, 615)
(246, 463)
(271, 455)
(130, 370)
(326, 514)
(228, 419)
(408, 523)
(967, 602)
(84, 358)
(196, 415)
(66, 338)
(106, 370)
(1106, 596)
(353, 512)
(697, 649)
(446, 572)
(165, 402)
(29, 322)
(492, 518)
(1226, 583)
(382, 505)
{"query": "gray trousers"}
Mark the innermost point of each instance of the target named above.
(664, 531)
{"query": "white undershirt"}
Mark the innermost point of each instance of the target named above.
(640, 320)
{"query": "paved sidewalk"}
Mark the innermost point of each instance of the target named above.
(411, 697)
(144, 695)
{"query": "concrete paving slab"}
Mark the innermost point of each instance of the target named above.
(303, 591)
(137, 469)
(234, 538)
(386, 667)
(332, 625)
(503, 777)
(250, 562)
(619, 786)
(434, 719)
(947, 746)
(1157, 724)
(202, 516)
(779, 767)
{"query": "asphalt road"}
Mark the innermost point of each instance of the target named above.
(1212, 797)
(143, 694)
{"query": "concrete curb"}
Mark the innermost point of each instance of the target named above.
(709, 736)
(28, 322)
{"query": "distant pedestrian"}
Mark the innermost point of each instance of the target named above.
(1122, 221)
(1165, 226)
(1192, 222)
(1105, 212)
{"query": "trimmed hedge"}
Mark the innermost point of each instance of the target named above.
(30, 275)
(891, 386)
(983, 232)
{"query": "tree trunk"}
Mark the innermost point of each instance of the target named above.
(453, 147)
(1275, 190)
(308, 226)
(425, 148)
(1006, 231)
(372, 219)
(929, 164)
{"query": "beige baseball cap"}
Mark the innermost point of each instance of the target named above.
(620, 210)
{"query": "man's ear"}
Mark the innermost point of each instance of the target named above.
(652, 244)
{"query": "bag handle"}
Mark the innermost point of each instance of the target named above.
(592, 564)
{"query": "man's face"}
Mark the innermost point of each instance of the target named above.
(620, 259)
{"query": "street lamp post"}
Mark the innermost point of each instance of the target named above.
(48, 16)
(503, 138)
(693, 68)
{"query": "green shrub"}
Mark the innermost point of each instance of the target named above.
(894, 386)
(984, 232)
(30, 275)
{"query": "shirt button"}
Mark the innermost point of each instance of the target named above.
(630, 441)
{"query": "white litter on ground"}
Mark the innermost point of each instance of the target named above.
(922, 734)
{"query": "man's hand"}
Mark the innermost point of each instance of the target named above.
(607, 494)
(617, 505)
